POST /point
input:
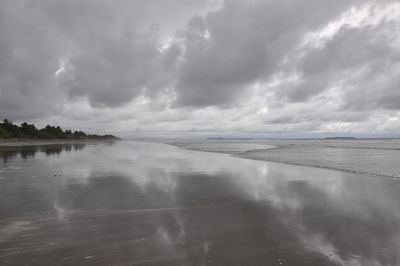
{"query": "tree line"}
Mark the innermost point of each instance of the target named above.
(9, 130)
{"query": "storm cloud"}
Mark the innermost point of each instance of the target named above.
(259, 65)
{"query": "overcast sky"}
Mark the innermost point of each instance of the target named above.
(122, 66)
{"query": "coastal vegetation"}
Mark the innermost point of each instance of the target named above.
(9, 130)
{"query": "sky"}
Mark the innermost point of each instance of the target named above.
(170, 66)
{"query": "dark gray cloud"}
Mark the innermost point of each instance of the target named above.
(109, 48)
(28, 53)
(350, 52)
(246, 42)
(258, 63)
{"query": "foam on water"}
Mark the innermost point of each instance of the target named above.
(371, 157)
(230, 147)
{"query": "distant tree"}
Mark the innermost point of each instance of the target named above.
(4, 134)
(29, 131)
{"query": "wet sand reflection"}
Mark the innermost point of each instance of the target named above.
(151, 204)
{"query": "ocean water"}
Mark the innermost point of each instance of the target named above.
(371, 157)
(132, 203)
(224, 146)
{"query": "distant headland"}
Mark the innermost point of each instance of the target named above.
(340, 138)
(8, 130)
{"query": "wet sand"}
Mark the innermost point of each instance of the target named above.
(153, 204)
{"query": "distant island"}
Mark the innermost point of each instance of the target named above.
(339, 138)
(8, 130)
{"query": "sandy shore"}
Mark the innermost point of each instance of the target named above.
(136, 203)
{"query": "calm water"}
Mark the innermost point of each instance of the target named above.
(152, 204)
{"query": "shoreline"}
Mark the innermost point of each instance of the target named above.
(39, 142)
(249, 156)
(367, 174)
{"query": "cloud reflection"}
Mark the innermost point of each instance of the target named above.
(157, 204)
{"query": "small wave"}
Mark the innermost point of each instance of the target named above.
(366, 160)
(323, 167)
(12, 167)
(223, 147)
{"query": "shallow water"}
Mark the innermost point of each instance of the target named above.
(153, 204)
(377, 157)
